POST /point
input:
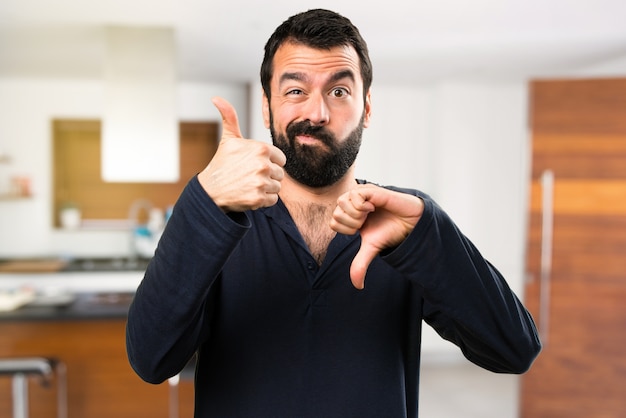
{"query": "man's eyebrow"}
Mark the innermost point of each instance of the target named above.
(298, 76)
(292, 76)
(340, 75)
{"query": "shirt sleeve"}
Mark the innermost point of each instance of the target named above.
(171, 311)
(466, 299)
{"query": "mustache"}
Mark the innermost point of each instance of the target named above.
(314, 131)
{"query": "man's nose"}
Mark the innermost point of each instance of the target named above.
(316, 109)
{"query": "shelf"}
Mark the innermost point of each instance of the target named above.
(12, 197)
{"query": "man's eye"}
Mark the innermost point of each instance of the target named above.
(294, 92)
(339, 92)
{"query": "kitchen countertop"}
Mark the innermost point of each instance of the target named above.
(83, 289)
(56, 264)
(79, 306)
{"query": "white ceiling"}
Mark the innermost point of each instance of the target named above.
(411, 41)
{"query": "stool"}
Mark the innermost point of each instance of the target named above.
(187, 373)
(45, 368)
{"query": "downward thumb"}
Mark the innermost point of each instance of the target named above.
(360, 264)
(230, 122)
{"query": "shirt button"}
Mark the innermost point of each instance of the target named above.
(310, 265)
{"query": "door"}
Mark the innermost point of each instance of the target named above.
(576, 255)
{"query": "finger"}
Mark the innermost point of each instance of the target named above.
(344, 224)
(273, 187)
(351, 212)
(355, 203)
(277, 156)
(230, 122)
(277, 172)
(360, 264)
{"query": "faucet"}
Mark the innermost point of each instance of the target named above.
(135, 229)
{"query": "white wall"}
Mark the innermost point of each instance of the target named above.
(479, 170)
(27, 107)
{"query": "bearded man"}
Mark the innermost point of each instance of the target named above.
(301, 289)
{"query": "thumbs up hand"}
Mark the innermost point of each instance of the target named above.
(243, 174)
(383, 217)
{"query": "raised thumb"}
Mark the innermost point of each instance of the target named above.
(230, 122)
(360, 264)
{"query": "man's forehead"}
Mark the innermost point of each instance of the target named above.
(291, 53)
(295, 58)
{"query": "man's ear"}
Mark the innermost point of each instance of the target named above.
(368, 110)
(266, 111)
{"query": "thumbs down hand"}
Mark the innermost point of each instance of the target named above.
(383, 217)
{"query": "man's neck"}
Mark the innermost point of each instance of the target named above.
(293, 191)
(311, 210)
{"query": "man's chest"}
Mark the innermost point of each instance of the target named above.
(313, 223)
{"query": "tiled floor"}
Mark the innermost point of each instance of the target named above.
(459, 389)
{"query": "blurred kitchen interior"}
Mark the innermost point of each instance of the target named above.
(451, 98)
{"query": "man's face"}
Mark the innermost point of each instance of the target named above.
(317, 112)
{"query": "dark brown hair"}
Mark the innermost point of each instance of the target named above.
(319, 29)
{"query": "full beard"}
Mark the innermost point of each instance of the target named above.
(317, 165)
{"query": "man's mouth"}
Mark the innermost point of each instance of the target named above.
(308, 140)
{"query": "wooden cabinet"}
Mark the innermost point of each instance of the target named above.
(77, 170)
(100, 381)
(579, 135)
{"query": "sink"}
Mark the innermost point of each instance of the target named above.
(102, 303)
(107, 298)
(107, 264)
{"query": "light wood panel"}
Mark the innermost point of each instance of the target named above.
(578, 107)
(100, 381)
(76, 170)
(580, 375)
(584, 197)
(579, 132)
(598, 156)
